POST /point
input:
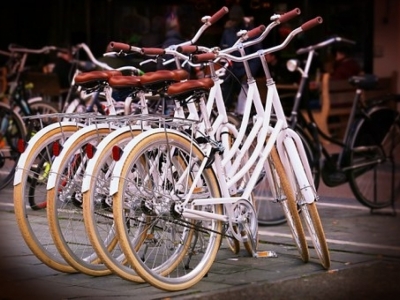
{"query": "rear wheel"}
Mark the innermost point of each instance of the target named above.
(98, 205)
(64, 201)
(30, 204)
(375, 158)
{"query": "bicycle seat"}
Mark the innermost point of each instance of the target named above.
(364, 82)
(163, 76)
(121, 81)
(93, 78)
(182, 89)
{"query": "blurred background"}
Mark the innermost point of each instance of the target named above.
(373, 24)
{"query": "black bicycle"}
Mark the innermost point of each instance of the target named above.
(369, 150)
(18, 104)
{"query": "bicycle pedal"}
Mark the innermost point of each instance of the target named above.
(265, 254)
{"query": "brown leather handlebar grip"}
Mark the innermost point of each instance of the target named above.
(203, 57)
(117, 46)
(218, 15)
(153, 51)
(289, 15)
(311, 23)
(187, 49)
(255, 31)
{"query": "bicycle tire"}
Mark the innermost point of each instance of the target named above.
(170, 273)
(97, 207)
(30, 101)
(310, 215)
(289, 206)
(12, 130)
(64, 202)
(373, 148)
(39, 107)
(269, 212)
(30, 194)
(289, 151)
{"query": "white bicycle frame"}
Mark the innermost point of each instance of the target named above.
(288, 144)
(261, 130)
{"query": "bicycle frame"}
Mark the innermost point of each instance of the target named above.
(315, 130)
(287, 140)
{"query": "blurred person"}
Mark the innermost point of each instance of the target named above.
(278, 70)
(180, 27)
(344, 65)
(235, 80)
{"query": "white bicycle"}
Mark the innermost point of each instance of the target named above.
(175, 195)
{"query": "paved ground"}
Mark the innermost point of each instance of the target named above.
(365, 254)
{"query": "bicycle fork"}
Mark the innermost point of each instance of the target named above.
(294, 160)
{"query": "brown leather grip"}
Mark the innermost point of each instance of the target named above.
(255, 31)
(187, 49)
(218, 15)
(289, 15)
(203, 57)
(311, 23)
(117, 46)
(153, 51)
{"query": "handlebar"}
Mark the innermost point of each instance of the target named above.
(218, 15)
(117, 46)
(5, 53)
(97, 62)
(261, 31)
(197, 58)
(324, 44)
(207, 20)
(188, 46)
(43, 50)
(276, 20)
(289, 15)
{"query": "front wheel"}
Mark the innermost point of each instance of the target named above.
(313, 221)
(168, 250)
(268, 211)
(284, 192)
(297, 169)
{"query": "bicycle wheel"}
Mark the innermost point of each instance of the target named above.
(12, 130)
(284, 192)
(305, 193)
(168, 250)
(269, 212)
(30, 193)
(374, 160)
(40, 108)
(97, 204)
(64, 201)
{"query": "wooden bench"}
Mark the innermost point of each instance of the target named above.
(340, 97)
(44, 84)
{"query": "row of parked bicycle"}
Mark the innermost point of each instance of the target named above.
(151, 194)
